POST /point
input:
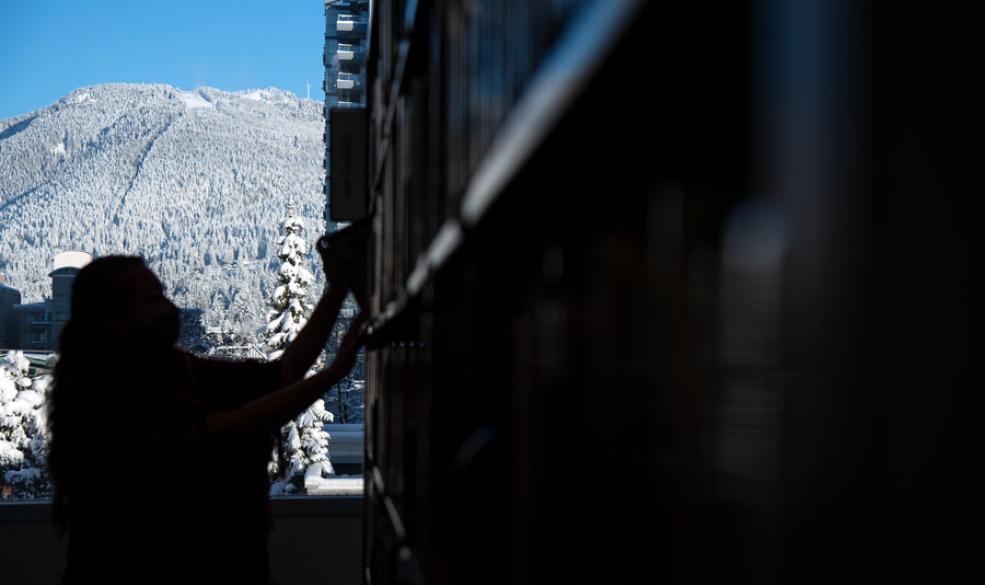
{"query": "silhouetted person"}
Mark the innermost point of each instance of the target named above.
(158, 457)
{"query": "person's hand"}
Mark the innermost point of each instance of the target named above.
(333, 272)
(354, 338)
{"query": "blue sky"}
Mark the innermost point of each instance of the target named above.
(50, 47)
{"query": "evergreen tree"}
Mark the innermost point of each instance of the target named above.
(290, 303)
(23, 430)
(304, 442)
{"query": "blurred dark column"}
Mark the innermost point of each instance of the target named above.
(929, 119)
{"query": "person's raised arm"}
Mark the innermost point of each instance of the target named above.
(270, 412)
(302, 352)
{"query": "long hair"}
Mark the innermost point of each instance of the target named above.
(87, 389)
(83, 391)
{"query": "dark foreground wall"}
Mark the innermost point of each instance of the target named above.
(315, 540)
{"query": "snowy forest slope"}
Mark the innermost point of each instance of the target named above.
(196, 182)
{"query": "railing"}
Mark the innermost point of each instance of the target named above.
(346, 443)
(241, 352)
(349, 52)
(347, 399)
(348, 23)
(347, 81)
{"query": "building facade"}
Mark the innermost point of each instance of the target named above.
(344, 57)
(345, 72)
(345, 53)
(9, 323)
(36, 326)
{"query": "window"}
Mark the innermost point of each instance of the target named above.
(210, 231)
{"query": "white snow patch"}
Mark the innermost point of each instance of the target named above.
(337, 485)
(10, 455)
(256, 95)
(193, 100)
(58, 149)
(31, 397)
(266, 96)
(83, 98)
(186, 185)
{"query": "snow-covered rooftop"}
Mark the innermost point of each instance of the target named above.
(71, 259)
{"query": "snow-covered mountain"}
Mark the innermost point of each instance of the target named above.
(196, 182)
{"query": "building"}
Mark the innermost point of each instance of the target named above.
(345, 53)
(346, 39)
(38, 324)
(9, 323)
(346, 24)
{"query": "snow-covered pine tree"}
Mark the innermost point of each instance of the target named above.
(304, 440)
(289, 304)
(23, 430)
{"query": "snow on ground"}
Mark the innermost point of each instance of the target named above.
(204, 204)
(339, 485)
(83, 98)
(266, 96)
(255, 95)
(193, 100)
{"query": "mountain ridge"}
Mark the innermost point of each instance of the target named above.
(195, 181)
